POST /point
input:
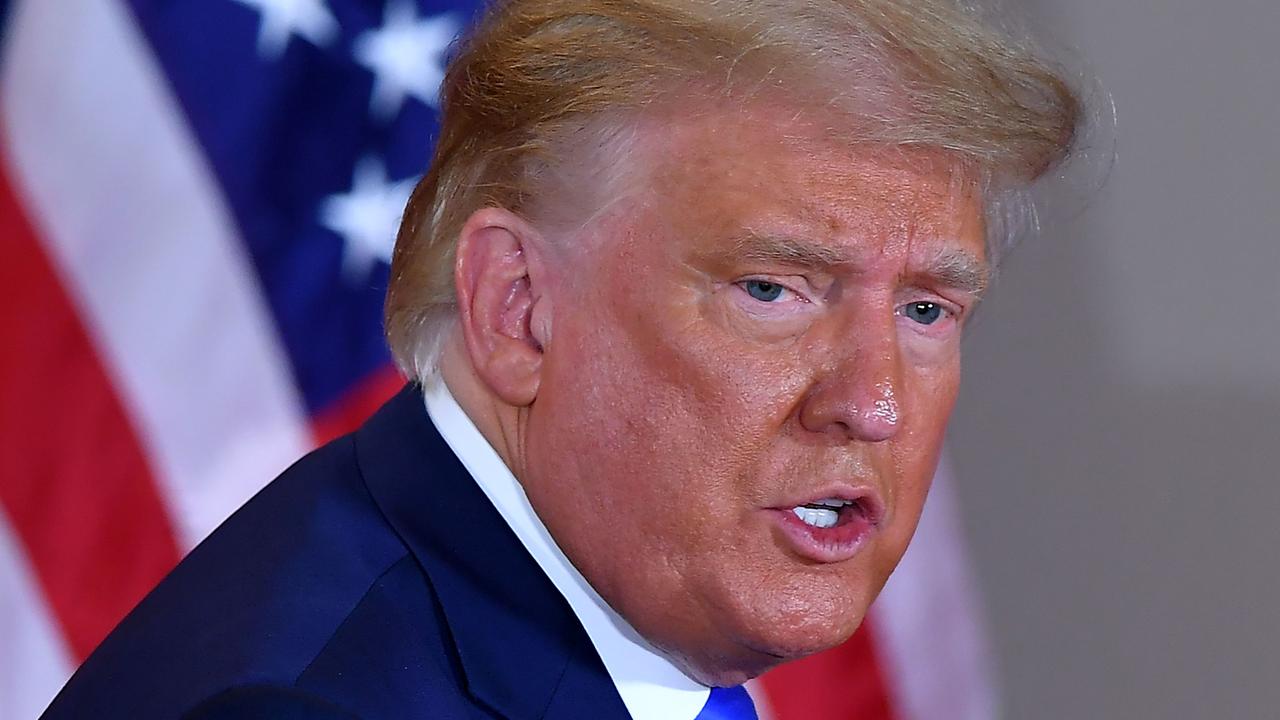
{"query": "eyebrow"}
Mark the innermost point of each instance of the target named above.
(786, 249)
(957, 269)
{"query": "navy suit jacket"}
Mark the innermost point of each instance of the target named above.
(373, 579)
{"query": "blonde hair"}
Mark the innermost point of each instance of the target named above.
(537, 76)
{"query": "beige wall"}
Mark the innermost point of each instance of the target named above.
(1118, 437)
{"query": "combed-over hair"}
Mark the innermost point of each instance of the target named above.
(535, 75)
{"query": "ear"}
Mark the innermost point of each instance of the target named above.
(503, 311)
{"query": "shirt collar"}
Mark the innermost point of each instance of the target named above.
(651, 687)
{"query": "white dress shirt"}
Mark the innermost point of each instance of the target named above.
(651, 687)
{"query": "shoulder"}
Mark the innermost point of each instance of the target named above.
(280, 594)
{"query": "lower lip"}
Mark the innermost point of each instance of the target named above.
(824, 545)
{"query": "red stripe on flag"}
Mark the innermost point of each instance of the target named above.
(844, 683)
(358, 404)
(73, 478)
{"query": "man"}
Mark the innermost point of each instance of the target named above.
(682, 297)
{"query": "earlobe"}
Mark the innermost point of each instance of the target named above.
(503, 311)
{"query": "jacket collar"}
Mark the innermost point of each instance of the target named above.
(522, 650)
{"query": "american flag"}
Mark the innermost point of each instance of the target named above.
(198, 200)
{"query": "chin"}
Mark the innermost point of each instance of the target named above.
(762, 651)
(795, 638)
(724, 670)
(773, 628)
(807, 612)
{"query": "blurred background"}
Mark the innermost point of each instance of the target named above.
(1117, 441)
(197, 202)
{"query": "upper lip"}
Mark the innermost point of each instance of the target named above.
(866, 498)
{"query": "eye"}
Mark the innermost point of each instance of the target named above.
(925, 313)
(763, 290)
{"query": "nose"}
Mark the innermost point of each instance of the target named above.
(857, 396)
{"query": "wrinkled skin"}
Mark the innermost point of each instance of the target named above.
(681, 402)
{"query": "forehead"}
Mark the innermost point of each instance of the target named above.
(722, 176)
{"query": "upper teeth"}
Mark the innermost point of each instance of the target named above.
(821, 513)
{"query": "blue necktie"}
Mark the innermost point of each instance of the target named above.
(728, 704)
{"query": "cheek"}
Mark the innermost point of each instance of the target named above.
(927, 397)
(917, 449)
(698, 376)
(679, 419)
(667, 412)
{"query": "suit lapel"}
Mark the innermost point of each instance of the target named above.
(522, 650)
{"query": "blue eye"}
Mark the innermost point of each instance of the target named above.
(762, 290)
(925, 313)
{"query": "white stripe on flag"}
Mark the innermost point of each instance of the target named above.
(761, 700)
(133, 218)
(34, 662)
(930, 640)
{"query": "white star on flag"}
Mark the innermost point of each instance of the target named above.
(367, 217)
(282, 19)
(406, 56)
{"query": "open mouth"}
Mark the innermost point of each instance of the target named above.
(831, 512)
(830, 529)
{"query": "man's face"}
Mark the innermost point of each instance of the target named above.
(768, 329)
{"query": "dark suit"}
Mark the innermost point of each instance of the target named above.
(373, 579)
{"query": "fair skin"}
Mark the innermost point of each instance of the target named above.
(738, 338)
